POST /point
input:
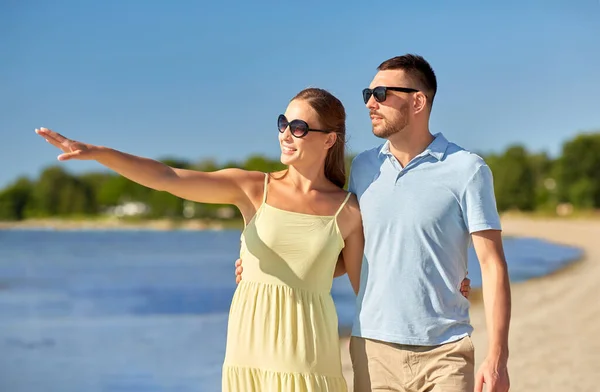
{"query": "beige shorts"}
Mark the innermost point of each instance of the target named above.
(381, 366)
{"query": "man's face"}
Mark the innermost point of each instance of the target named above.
(393, 114)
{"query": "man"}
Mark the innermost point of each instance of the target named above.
(423, 201)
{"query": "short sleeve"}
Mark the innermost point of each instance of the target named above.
(352, 180)
(478, 202)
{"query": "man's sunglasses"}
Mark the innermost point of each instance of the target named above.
(379, 93)
(298, 128)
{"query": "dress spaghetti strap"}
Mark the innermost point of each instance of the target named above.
(265, 190)
(343, 204)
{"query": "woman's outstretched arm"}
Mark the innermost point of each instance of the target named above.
(220, 187)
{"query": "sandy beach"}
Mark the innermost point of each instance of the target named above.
(554, 336)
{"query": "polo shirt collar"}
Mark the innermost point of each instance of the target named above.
(437, 148)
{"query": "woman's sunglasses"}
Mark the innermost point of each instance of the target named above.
(298, 128)
(379, 93)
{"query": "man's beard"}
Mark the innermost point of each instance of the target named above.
(385, 129)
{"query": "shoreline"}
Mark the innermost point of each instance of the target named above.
(553, 340)
(61, 224)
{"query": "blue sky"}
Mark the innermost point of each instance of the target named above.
(199, 80)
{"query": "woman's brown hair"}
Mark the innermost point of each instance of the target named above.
(332, 117)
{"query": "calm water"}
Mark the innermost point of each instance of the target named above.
(142, 310)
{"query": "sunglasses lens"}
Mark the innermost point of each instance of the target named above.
(367, 94)
(282, 123)
(298, 128)
(379, 93)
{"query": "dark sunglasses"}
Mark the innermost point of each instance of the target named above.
(298, 128)
(380, 92)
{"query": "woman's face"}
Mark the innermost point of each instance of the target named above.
(313, 146)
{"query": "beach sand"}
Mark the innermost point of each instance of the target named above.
(554, 338)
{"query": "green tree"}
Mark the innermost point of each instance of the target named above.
(582, 193)
(14, 199)
(95, 181)
(514, 183)
(176, 162)
(545, 182)
(164, 204)
(206, 165)
(262, 164)
(118, 189)
(59, 193)
(579, 171)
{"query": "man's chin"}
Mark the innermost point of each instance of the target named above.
(382, 133)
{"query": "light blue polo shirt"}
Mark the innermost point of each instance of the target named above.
(417, 222)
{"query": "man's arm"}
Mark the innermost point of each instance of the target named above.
(340, 267)
(352, 255)
(340, 270)
(497, 302)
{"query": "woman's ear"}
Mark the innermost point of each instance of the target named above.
(330, 141)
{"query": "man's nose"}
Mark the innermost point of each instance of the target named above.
(372, 104)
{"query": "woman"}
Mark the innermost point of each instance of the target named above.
(282, 330)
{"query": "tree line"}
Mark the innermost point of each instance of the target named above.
(523, 181)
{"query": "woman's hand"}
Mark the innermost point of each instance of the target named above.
(71, 149)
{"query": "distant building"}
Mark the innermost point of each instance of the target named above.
(225, 213)
(132, 208)
(189, 209)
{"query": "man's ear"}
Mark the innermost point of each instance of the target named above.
(419, 102)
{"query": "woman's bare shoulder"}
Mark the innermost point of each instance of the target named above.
(253, 183)
(353, 207)
(349, 218)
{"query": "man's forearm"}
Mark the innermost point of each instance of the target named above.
(497, 300)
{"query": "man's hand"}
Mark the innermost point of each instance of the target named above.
(465, 287)
(238, 271)
(494, 374)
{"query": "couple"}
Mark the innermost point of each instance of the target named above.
(422, 201)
